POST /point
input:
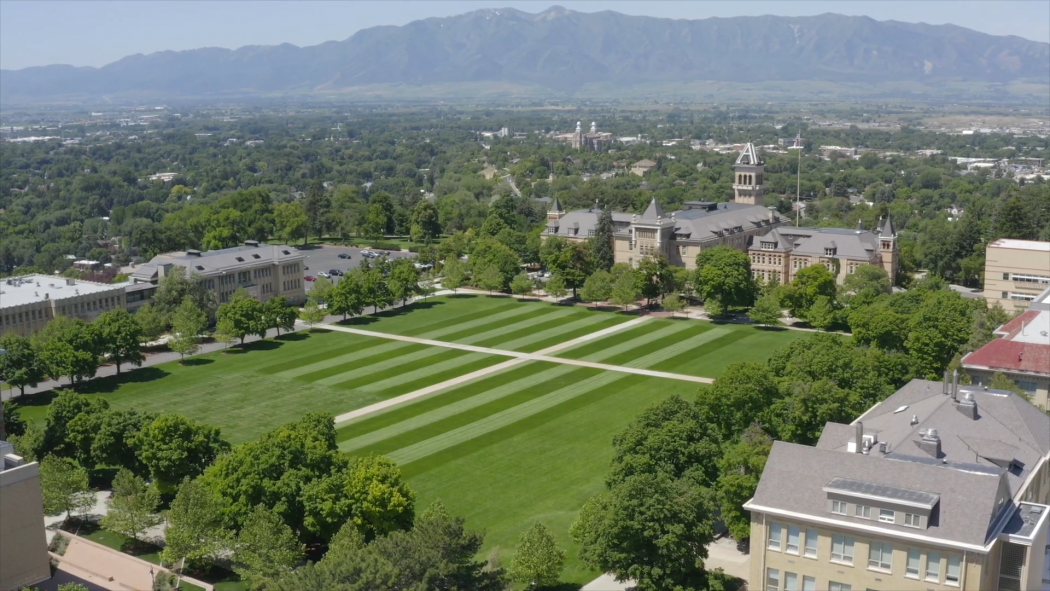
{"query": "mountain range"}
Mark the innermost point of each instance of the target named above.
(562, 51)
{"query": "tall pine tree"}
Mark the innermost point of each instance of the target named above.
(602, 242)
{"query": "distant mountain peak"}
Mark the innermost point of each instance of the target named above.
(561, 49)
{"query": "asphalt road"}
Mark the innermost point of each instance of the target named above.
(326, 258)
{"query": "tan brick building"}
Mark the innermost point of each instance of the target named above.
(23, 547)
(1015, 271)
(263, 270)
(938, 487)
(28, 303)
(778, 256)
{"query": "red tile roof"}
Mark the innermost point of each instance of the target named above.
(1012, 355)
(1011, 328)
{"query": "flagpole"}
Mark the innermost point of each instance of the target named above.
(798, 180)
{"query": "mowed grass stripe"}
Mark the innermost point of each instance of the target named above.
(393, 415)
(437, 378)
(687, 361)
(296, 361)
(502, 419)
(487, 319)
(581, 350)
(548, 330)
(607, 321)
(430, 369)
(608, 353)
(531, 379)
(440, 321)
(520, 323)
(470, 416)
(393, 359)
(373, 347)
(497, 326)
(678, 348)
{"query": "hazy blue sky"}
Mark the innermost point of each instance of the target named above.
(94, 33)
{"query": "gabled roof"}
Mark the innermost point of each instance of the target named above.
(654, 211)
(644, 164)
(555, 206)
(887, 228)
(749, 156)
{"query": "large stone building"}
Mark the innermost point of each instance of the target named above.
(779, 255)
(679, 235)
(1021, 352)
(593, 141)
(1015, 271)
(23, 546)
(264, 271)
(28, 303)
(938, 487)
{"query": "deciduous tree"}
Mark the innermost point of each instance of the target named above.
(65, 487)
(404, 280)
(597, 288)
(312, 315)
(21, 366)
(278, 314)
(489, 278)
(187, 324)
(132, 506)
(195, 529)
(537, 560)
(625, 291)
(368, 492)
(152, 323)
(119, 336)
(454, 274)
(521, 285)
(739, 471)
(723, 274)
(766, 311)
(266, 548)
(555, 287)
(173, 448)
(245, 314)
(348, 297)
(673, 303)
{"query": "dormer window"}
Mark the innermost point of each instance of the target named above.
(887, 515)
(769, 245)
(830, 251)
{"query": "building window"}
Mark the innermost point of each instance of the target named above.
(912, 520)
(1006, 276)
(774, 536)
(886, 515)
(790, 581)
(880, 556)
(836, 586)
(809, 584)
(811, 543)
(772, 579)
(863, 511)
(792, 544)
(842, 549)
(933, 567)
(912, 569)
(838, 507)
(951, 574)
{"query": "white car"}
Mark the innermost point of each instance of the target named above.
(324, 274)
(423, 266)
(368, 254)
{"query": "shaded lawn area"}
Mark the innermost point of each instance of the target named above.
(270, 383)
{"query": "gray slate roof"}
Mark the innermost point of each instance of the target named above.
(1006, 425)
(213, 261)
(849, 244)
(795, 476)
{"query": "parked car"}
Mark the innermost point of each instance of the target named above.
(335, 273)
(323, 274)
(368, 254)
(309, 278)
(344, 255)
(423, 266)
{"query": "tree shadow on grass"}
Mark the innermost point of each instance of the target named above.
(463, 296)
(391, 313)
(766, 328)
(111, 383)
(293, 336)
(198, 361)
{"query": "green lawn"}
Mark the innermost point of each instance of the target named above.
(527, 444)
(689, 347)
(496, 322)
(248, 392)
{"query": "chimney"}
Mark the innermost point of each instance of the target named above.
(858, 443)
(955, 384)
(915, 419)
(71, 281)
(967, 406)
(930, 443)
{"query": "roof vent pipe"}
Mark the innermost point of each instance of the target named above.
(915, 419)
(955, 384)
(858, 444)
(944, 386)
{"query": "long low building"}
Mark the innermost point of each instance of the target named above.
(1021, 352)
(263, 270)
(28, 303)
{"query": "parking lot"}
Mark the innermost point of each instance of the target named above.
(325, 258)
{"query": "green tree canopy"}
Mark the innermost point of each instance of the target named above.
(348, 296)
(809, 284)
(152, 322)
(602, 241)
(279, 314)
(367, 491)
(404, 280)
(266, 548)
(196, 530)
(132, 506)
(597, 288)
(555, 287)
(740, 469)
(187, 324)
(245, 314)
(723, 274)
(173, 448)
(21, 366)
(119, 336)
(766, 311)
(65, 487)
(537, 560)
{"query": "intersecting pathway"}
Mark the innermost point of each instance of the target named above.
(516, 358)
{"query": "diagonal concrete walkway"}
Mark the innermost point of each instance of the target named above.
(517, 358)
